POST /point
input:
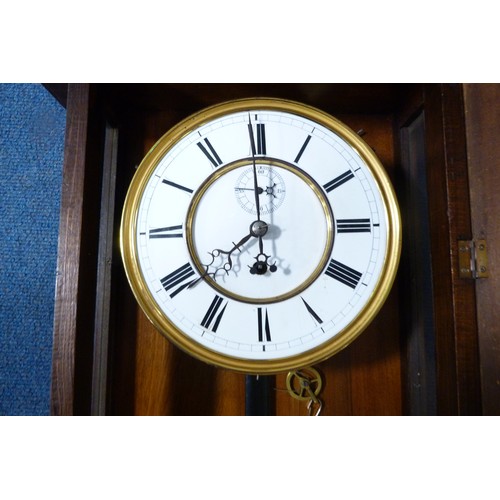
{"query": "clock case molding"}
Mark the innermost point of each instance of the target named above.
(421, 354)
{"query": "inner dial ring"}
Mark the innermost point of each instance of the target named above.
(299, 239)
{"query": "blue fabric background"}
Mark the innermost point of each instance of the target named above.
(32, 125)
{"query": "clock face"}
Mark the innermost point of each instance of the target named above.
(261, 235)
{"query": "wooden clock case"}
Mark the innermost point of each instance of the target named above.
(420, 355)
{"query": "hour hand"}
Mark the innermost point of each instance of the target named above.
(227, 266)
(261, 265)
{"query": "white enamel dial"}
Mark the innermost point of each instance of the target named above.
(262, 238)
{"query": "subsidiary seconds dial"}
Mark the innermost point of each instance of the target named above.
(260, 235)
(271, 189)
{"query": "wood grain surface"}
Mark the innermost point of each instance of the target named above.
(482, 103)
(68, 260)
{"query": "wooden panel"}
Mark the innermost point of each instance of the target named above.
(457, 375)
(104, 275)
(482, 106)
(74, 319)
(188, 98)
(169, 382)
(68, 260)
(416, 270)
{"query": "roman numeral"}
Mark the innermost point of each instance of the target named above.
(302, 149)
(211, 155)
(311, 311)
(177, 186)
(261, 139)
(343, 273)
(166, 232)
(353, 226)
(177, 277)
(212, 311)
(263, 326)
(338, 181)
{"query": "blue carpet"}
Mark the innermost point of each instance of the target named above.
(32, 127)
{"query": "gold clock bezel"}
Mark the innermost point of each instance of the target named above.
(251, 366)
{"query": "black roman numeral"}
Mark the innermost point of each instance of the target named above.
(177, 277)
(353, 226)
(177, 186)
(338, 181)
(211, 155)
(212, 311)
(312, 312)
(302, 149)
(166, 232)
(343, 273)
(263, 326)
(261, 139)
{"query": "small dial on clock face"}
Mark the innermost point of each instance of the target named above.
(271, 189)
(258, 236)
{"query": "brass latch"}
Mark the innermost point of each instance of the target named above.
(473, 259)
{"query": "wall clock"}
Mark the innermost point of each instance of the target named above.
(261, 235)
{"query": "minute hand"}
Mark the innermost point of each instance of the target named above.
(255, 185)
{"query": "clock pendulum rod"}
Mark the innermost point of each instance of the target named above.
(258, 395)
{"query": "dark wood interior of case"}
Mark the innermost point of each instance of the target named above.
(407, 360)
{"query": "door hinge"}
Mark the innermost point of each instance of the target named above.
(472, 259)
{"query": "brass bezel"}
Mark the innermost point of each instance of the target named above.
(275, 163)
(162, 322)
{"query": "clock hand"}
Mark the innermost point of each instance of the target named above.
(255, 185)
(228, 253)
(257, 230)
(216, 253)
(260, 266)
(259, 190)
